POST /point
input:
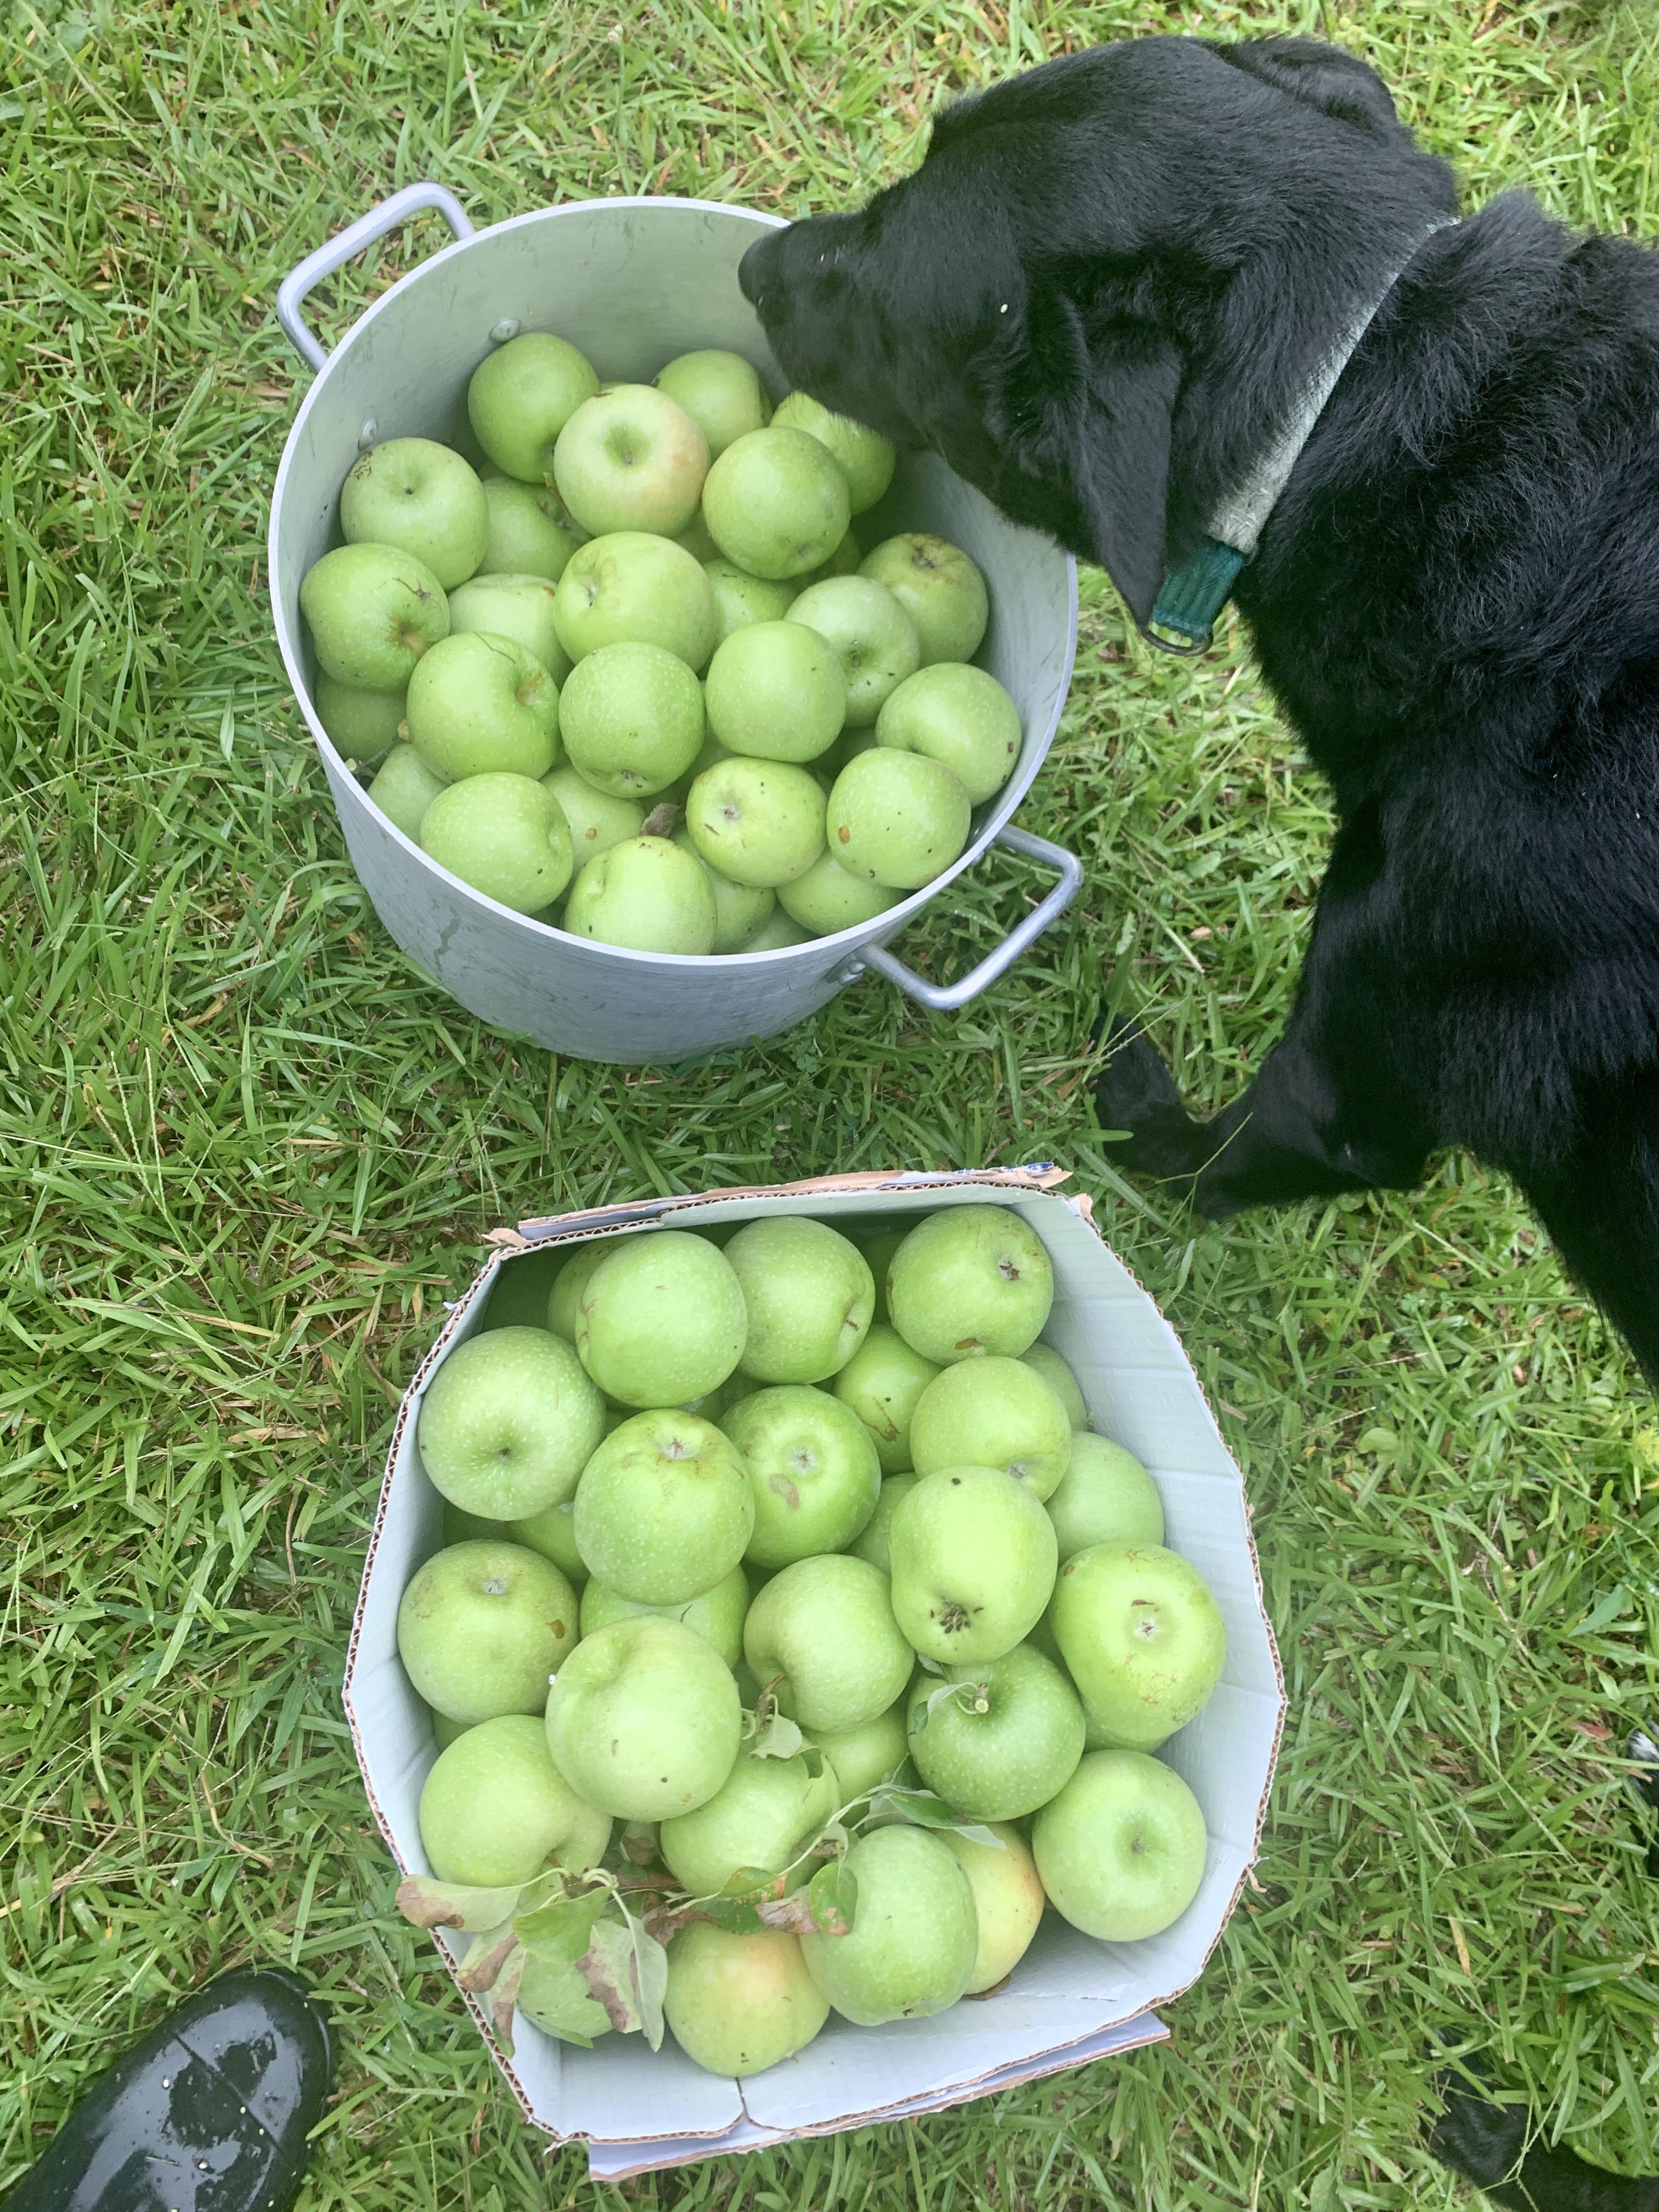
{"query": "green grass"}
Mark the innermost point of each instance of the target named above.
(248, 1152)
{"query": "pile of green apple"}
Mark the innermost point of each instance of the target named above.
(638, 678)
(875, 1641)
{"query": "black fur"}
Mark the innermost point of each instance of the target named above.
(1097, 298)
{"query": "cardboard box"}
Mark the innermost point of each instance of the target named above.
(1070, 1998)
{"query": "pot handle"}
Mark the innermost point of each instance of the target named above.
(946, 998)
(349, 243)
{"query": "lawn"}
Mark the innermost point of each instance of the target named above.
(249, 1150)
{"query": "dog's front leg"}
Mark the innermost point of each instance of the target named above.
(1314, 1121)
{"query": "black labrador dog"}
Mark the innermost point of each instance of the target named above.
(1103, 297)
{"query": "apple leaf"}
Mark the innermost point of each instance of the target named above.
(626, 1970)
(559, 1932)
(777, 1737)
(650, 1980)
(662, 821)
(503, 1997)
(793, 1914)
(832, 1894)
(929, 1666)
(639, 1851)
(607, 1967)
(450, 1905)
(488, 1953)
(922, 1809)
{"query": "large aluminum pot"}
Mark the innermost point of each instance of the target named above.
(632, 283)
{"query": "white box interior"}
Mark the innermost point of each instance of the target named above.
(1072, 1997)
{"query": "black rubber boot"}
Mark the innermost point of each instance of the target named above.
(209, 2113)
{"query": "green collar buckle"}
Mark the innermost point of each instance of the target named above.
(1191, 600)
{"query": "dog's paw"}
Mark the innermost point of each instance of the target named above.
(1136, 1092)
(1482, 2142)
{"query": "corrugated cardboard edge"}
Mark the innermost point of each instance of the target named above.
(640, 1213)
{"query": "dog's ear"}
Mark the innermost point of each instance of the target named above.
(1087, 404)
(1338, 84)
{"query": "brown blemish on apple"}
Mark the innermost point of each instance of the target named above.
(967, 1343)
(785, 1490)
(844, 833)
(557, 1627)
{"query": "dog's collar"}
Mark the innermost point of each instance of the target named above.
(1194, 591)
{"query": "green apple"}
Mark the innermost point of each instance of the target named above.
(631, 458)
(822, 1634)
(997, 1739)
(504, 835)
(863, 1756)
(662, 1320)
(914, 1936)
(721, 392)
(809, 1294)
(766, 1815)
(530, 533)
(938, 588)
(882, 1383)
(596, 819)
(1143, 1637)
(775, 934)
(663, 1510)
(631, 588)
(954, 714)
(740, 597)
(647, 893)
(1061, 1380)
(1105, 1496)
(739, 910)
(517, 606)
(552, 1532)
(717, 1616)
(564, 1298)
(737, 2004)
(373, 613)
(1008, 1901)
(359, 724)
(522, 395)
(481, 1627)
(974, 1557)
(403, 787)
(494, 1810)
(759, 823)
(969, 1281)
(867, 459)
(775, 692)
(446, 1731)
(813, 1469)
(508, 1422)
(993, 1413)
(1120, 1850)
(827, 899)
(879, 1251)
(873, 1544)
(480, 705)
(632, 718)
(843, 561)
(695, 540)
(873, 639)
(419, 497)
(643, 1719)
(776, 502)
(899, 820)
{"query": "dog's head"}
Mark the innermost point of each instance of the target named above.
(1108, 281)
